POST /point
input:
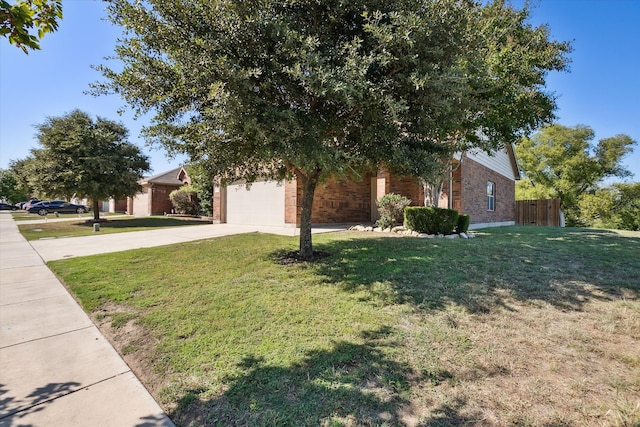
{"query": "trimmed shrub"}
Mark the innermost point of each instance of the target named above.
(391, 207)
(430, 220)
(463, 223)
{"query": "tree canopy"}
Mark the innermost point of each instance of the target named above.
(10, 188)
(20, 18)
(315, 88)
(616, 206)
(561, 161)
(83, 157)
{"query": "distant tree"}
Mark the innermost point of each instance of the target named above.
(22, 170)
(85, 158)
(10, 189)
(20, 18)
(313, 89)
(560, 161)
(616, 207)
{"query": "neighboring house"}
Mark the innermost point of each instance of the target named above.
(154, 197)
(482, 186)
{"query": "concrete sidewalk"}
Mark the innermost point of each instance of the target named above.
(56, 368)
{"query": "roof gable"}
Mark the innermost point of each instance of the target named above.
(177, 177)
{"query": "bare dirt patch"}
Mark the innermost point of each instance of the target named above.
(132, 341)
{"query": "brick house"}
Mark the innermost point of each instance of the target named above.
(482, 186)
(154, 197)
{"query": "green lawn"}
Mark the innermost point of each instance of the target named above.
(82, 227)
(520, 326)
(21, 215)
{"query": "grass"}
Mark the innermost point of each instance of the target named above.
(51, 230)
(21, 215)
(520, 326)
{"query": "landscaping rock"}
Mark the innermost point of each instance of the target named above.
(464, 235)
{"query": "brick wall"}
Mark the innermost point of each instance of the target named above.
(342, 201)
(118, 205)
(160, 202)
(473, 190)
(291, 209)
(408, 187)
(217, 204)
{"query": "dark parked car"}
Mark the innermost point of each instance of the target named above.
(60, 206)
(7, 207)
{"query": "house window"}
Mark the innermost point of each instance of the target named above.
(491, 196)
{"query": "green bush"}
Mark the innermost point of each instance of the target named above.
(463, 223)
(185, 200)
(430, 220)
(391, 207)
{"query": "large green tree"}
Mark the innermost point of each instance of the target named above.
(83, 157)
(561, 161)
(310, 88)
(18, 20)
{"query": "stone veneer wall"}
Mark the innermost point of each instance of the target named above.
(474, 177)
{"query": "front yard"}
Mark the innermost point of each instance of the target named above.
(84, 227)
(520, 326)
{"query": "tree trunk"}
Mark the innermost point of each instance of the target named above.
(309, 184)
(432, 193)
(96, 210)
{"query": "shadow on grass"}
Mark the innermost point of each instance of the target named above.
(562, 267)
(349, 384)
(354, 383)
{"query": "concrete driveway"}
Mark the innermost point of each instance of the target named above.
(53, 249)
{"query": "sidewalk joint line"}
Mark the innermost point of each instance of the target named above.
(51, 336)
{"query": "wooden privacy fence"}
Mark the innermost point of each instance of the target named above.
(538, 212)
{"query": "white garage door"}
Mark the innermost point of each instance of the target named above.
(262, 204)
(141, 204)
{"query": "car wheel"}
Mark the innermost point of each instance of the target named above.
(80, 210)
(42, 212)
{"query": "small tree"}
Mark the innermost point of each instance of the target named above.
(202, 182)
(85, 158)
(185, 200)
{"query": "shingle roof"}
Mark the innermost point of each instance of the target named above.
(167, 178)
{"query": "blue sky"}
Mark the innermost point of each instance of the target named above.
(602, 90)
